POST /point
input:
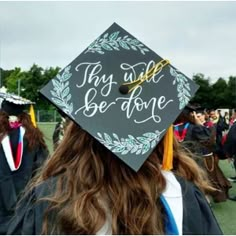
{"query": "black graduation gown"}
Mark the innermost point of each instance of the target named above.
(230, 143)
(197, 139)
(13, 182)
(197, 215)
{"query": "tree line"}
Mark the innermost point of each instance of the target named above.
(220, 94)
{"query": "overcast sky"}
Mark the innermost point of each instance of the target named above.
(194, 36)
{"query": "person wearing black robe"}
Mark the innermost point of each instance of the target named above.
(19, 156)
(230, 150)
(191, 133)
(230, 144)
(215, 174)
(200, 140)
(59, 130)
(198, 218)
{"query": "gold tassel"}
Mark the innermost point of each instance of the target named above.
(32, 115)
(128, 87)
(168, 149)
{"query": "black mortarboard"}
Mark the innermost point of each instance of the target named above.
(191, 107)
(122, 93)
(200, 110)
(13, 104)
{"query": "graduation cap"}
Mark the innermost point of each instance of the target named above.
(192, 107)
(122, 93)
(15, 105)
(200, 110)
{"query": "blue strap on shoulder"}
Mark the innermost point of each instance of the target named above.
(170, 224)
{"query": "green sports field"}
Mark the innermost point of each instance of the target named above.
(225, 212)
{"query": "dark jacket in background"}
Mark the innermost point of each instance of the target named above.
(230, 143)
(12, 183)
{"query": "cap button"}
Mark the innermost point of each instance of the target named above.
(124, 89)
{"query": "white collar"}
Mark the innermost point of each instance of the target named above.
(173, 196)
(8, 151)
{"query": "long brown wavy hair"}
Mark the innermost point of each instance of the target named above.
(92, 181)
(32, 134)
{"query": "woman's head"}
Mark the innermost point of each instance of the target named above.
(213, 114)
(185, 116)
(92, 180)
(32, 134)
(201, 116)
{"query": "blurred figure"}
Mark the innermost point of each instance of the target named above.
(203, 117)
(226, 119)
(233, 118)
(215, 174)
(194, 136)
(189, 129)
(230, 146)
(22, 152)
(59, 130)
(219, 124)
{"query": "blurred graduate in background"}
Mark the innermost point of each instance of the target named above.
(22, 152)
(59, 130)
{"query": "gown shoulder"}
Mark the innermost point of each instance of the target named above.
(198, 218)
(28, 217)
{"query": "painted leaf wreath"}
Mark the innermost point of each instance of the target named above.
(133, 145)
(61, 91)
(113, 42)
(183, 88)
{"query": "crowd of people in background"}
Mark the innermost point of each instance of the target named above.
(205, 135)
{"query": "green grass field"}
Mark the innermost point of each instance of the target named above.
(225, 212)
(47, 129)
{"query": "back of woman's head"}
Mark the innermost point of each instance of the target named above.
(33, 135)
(92, 183)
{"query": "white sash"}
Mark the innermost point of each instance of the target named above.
(8, 152)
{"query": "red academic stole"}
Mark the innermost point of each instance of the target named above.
(181, 137)
(14, 163)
